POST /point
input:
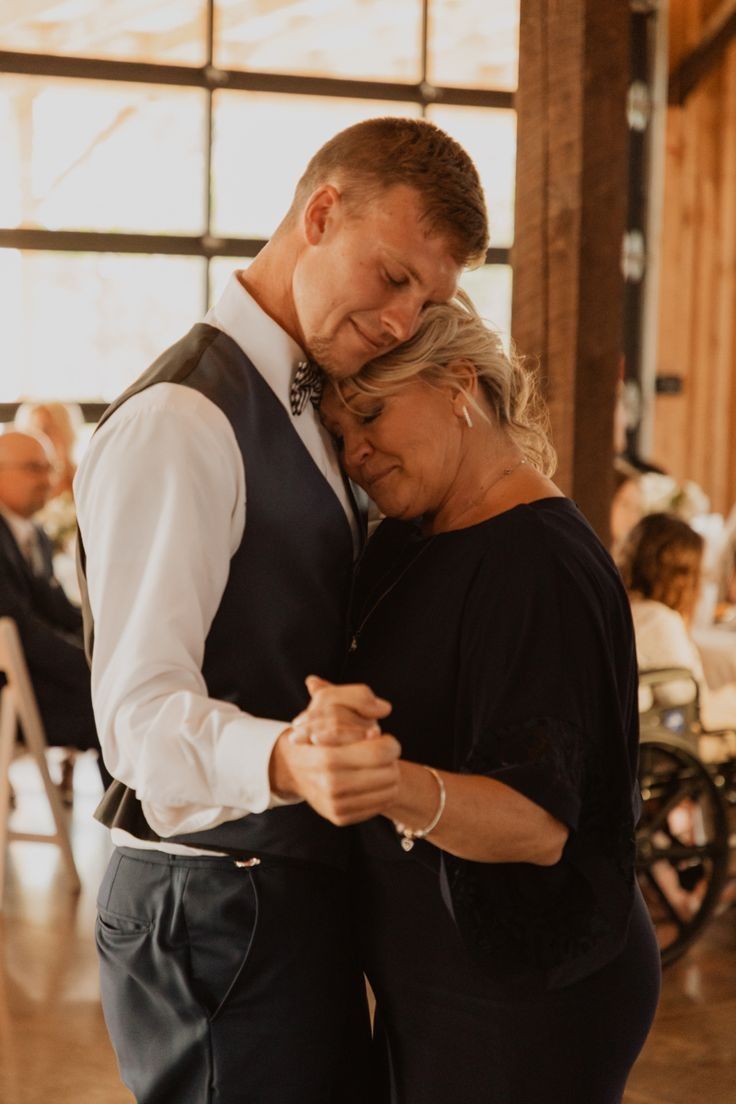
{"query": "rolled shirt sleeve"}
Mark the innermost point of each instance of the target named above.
(161, 499)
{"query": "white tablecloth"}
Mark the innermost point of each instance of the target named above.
(717, 647)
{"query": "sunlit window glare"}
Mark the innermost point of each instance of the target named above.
(101, 155)
(120, 156)
(262, 144)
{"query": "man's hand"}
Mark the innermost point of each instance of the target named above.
(345, 784)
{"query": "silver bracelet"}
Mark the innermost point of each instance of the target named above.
(408, 835)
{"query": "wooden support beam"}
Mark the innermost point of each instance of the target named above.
(571, 212)
(718, 32)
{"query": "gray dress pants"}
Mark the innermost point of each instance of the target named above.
(230, 985)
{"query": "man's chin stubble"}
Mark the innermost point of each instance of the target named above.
(333, 367)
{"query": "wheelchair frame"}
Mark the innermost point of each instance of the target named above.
(684, 837)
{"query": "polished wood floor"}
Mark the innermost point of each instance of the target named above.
(690, 1055)
(53, 1045)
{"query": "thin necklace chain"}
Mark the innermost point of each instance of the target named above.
(487, 488)
(384, 594)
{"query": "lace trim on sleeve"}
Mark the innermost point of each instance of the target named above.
(547, 742)
(519, 918)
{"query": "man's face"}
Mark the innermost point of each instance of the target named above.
(25, 474)
(362, 283)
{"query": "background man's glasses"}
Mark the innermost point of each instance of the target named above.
(33, 467)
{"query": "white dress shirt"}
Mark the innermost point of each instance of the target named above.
(161, 498)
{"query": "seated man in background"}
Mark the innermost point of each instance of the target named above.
(50, 626)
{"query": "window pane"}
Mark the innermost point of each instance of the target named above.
(490, 289)
(164, 30)
(98, 155)
(472, 43)
(262, 144)
(84, 325)
(489, 136)
(379, 40)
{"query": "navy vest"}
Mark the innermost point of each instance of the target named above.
(283, 613)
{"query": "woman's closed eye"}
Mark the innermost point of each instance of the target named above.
(370, 416)
(363, 419)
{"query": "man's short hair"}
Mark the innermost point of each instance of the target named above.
(376, 154)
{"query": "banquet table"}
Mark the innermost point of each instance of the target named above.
(717, 647)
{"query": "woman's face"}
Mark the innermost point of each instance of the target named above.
(404, 449)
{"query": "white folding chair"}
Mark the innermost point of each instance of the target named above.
(19, 711)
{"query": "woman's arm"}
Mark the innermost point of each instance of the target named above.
(483, 820)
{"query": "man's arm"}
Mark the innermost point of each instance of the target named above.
(160, 496)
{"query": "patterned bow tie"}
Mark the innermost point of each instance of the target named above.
(306, 386)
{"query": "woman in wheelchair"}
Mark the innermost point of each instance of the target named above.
(688, 752)
(661, 564)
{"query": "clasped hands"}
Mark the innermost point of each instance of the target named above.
(335, 756)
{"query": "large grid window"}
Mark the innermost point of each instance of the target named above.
(151, 146)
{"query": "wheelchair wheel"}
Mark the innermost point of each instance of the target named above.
(682, 843)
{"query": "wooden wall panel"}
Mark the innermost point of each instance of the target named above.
(724, 475)
(694, 432)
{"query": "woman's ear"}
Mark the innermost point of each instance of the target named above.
(320, 208)
(464, 385)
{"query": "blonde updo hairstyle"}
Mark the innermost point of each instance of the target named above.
(454, 333)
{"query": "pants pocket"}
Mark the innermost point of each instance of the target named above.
(157, 1028)
(115, 926)
(222, 939)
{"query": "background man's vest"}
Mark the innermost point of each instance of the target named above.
(282, 615)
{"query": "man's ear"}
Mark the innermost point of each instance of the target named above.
(321, 207)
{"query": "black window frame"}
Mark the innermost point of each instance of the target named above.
(211, 79)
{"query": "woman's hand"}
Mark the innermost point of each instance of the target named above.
(335, 757)
(338, 715)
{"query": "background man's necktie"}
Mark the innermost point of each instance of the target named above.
(31, 550)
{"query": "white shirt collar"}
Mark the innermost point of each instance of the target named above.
(275, 356)
(264, 342)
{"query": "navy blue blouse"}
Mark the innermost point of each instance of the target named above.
(507, 650)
